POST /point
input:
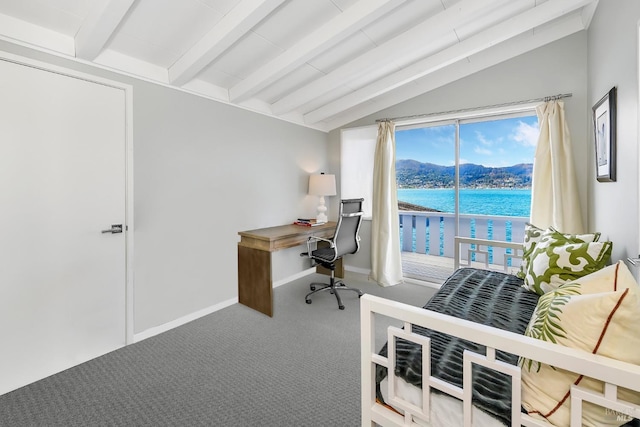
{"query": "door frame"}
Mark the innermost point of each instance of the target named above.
(129, 226)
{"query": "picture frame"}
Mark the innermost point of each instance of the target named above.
(604, 126)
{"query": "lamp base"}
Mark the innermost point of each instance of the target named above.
(321, 217)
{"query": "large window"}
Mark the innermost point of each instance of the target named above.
(472, 167)
(463, 176)
(494, 157)
(467, 178)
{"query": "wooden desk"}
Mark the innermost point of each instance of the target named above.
(255, 279)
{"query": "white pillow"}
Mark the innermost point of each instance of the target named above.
(598, 313)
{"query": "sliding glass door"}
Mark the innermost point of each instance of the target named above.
(468, 177)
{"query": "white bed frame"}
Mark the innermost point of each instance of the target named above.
(612, 372)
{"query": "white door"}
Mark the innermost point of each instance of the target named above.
(62, 181)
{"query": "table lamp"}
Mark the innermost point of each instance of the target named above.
(322, 185)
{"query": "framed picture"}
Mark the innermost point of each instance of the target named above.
(604, 125)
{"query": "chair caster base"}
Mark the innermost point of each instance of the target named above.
(334, 288)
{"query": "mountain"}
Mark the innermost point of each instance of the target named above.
(414, 174)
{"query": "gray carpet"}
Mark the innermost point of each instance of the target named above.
(235, 367)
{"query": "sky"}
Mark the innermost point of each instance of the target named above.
(497, 143)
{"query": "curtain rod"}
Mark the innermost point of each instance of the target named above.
(465, 110)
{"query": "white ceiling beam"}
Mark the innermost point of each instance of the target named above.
(17, 30)
(98, 27)
(117, 61)
(408, 44)
(485, 39)
(348, 22)
(235, 24)
(587, 13)
(483, 60)
(207, 89)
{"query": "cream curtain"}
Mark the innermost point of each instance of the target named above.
(554, 192)
(386, 263)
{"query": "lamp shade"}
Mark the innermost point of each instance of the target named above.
(322, 185)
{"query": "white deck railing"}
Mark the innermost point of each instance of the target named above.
(433, 233)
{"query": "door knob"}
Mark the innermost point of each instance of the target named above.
(115, 229)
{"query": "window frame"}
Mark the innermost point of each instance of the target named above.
(456, 117)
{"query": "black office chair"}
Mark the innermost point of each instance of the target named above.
(345, 240)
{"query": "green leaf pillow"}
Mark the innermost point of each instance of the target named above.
(558, 258)
(598, 314)
(533, 235)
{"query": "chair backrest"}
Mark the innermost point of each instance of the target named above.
(346, 238)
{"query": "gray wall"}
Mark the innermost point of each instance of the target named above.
(613, 61)
(559, 67)
(203, 171)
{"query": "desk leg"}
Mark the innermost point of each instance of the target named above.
(255, 288)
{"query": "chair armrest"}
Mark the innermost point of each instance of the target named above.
(316, 239)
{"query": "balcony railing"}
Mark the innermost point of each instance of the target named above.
(433, 234)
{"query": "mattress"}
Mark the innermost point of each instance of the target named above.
(445, 411)
(487, 297)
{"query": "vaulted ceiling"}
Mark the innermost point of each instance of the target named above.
(319, 63)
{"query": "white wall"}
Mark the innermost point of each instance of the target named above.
(556, 68)
(613, 61)
(203, 171)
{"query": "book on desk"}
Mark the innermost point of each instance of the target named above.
(307, 222)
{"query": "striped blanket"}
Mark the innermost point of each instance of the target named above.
(487, 297)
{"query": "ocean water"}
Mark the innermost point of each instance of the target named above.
(485, 201)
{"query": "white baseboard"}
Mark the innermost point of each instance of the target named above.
(200, 313)
(363, 271)
(205, 311)
(294, 277)
(182, 320)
